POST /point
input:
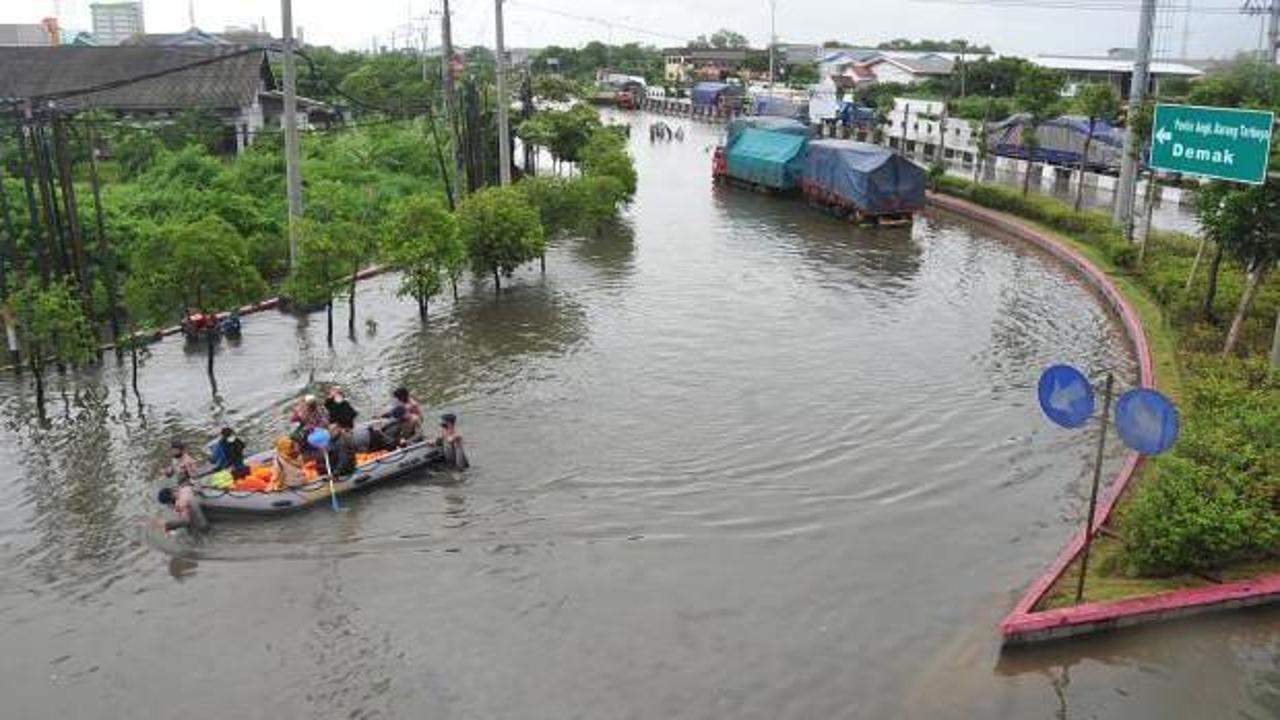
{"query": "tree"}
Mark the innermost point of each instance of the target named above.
(1245, 223)
(201, 264)
(423, 244)
(1039, 95)
(996, 77)
(725, 38)
(1095, 101)
(53, 328)
(802, 75)
(605, 153)
(325, 252)
(959, 45)
(500, 230)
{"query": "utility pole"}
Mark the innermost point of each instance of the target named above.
(1137, 93)
(773, 39)
(450, 97)
(292, 159)
(1273, 31)
(504, 129)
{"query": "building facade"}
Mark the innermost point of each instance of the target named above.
(115, 22)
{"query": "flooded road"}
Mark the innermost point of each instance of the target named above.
(733, 458)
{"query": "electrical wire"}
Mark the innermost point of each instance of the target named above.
(596, 20)
(1083, 5)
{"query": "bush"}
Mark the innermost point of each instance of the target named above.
(1215, 498)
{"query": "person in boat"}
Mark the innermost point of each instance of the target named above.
(307, 416)
(230, 325)
(340, 410)
(287, 465)
(403, 419)
(450, 441)
(228, 453)
(342, 450)
(181, 464)
(185, 502)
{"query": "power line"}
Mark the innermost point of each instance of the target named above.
(1084, 5)
(597, 20)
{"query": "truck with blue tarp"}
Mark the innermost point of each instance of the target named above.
(714, 94)
(866, 182)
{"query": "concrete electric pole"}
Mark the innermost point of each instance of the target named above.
(451, 117)
(292, 159)
(1127, 187)
(504, 101)
(773, 39)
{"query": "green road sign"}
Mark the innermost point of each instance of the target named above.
(1213, 142)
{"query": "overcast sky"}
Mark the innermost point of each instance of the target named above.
(1214, 30)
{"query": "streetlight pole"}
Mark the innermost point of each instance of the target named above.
(504, 130)
(292, 157)
(773, 39)
(1137, 93)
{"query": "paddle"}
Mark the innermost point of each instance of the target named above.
(319, 439)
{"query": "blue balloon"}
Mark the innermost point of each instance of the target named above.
(1146, 420)
(1066, 397)
(319, 438)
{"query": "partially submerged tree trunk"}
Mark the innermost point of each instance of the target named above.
(213, 381)
(351, 302)
(37, 369)
(133, 360)
(497, 281)
(328, 313)
(1211, 291)
(1252, 283)
(1084, 158)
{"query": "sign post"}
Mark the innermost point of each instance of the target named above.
(1221, 143)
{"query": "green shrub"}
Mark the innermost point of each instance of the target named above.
(1215, 498)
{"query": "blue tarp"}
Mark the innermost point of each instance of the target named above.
(772, 124)
(707, 93)
(772, 105)
(868, 177)
(771, 159)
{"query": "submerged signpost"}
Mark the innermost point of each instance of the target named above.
(1221, 143)
(1145, 419)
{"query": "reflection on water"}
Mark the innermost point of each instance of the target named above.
(734, 458)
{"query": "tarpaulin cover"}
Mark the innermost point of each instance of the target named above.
(775, 106)
(771, 159)
(772, 124)
(869, 177)
(707, 93)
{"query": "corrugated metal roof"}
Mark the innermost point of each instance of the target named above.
(1071, 63)
(227, 83)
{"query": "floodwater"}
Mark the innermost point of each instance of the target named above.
(733, 458)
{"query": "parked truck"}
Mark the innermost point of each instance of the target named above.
(865, 182)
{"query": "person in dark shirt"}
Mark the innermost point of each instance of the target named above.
(342, 450)
(341, 412)
(228, 453)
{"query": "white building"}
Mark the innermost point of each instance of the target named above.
(1114, 71)
(115, 22)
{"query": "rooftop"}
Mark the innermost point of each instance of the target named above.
(227, 77)
(1112, 65)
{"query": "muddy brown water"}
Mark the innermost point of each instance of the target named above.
(733, 458)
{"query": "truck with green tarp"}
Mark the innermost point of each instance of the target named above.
(762, 152)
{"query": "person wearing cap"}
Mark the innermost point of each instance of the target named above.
(228, 453)
(181, 464)
(339, 409)
(450, 441)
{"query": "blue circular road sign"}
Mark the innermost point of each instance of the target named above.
(1146, 420)
(1066, 396)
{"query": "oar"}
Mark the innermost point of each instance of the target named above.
(319, 438)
